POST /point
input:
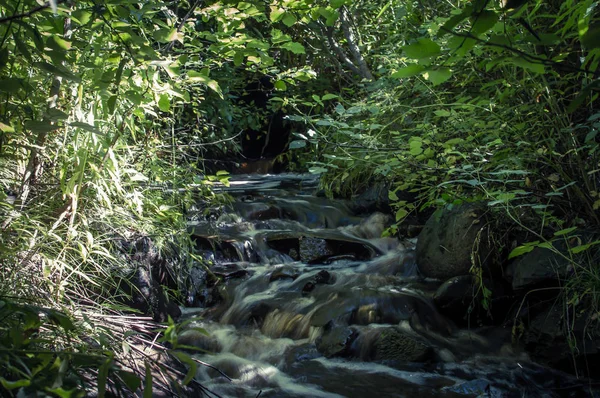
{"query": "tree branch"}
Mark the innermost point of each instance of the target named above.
(354, 50)
(30, 12)
(328, 33)
(527, 56)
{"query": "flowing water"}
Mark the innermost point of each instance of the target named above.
(312, 302)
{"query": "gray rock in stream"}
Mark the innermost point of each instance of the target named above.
(449, 239)
(391, 344)
(335, 340)
(538, 266)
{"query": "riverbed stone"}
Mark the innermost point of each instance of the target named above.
(449, 238)
(312, 249)
(564, 339)
(335, 340)
(538, 266)
(397, 345)
(198, 340)
(454, 296)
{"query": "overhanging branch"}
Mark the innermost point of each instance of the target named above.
(30, 12)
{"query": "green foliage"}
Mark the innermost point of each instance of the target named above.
(473, 102)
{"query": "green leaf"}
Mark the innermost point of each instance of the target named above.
(297, 144)
(280, 85)
(581, 97)
(81, 16)
(565, 231)
(44, 126)
(289, 19)
(58, 71)
(535, 67)
(148, 381)
(10, 85)
(400, 214)
(423, 48)
(238, 58)
(131, 380)
(410, 70)
(62, 393)
(6, 129)
(328, 97)
(3, 57)
(23, 48)
(56, 114)
(186, 359)
(276, 14)
(165, 35)
(164, 103)
(294, 47)
(337, 3)
(520, 250)
(86, 127)
(591, 38)
(456, 19)
(437, 76)
(111, 104)
(581, 248)
(484, 21)
(56, 43)
(11, 385)
(102, 377)
(317, 170)
(460, 46)
(442, 113)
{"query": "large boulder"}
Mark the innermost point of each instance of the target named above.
(539, 266)
(449, 240)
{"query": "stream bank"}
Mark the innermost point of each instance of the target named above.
(297, 295)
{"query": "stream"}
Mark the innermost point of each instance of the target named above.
(306, 299)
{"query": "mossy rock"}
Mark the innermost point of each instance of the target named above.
(450, 237)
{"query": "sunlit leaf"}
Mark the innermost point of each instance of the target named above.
(410, 70)
(294, 47)
(280, 85)
(6, 128)
(289, 19)
(422, 48)
(437, 76)
(164, 103)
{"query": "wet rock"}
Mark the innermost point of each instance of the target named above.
(149, 297)
(372, 227)
(281, 323)
(284, 272)
(312, 249)
(395, 344)
(450, 237)
(564, 340)
(201, 291)
(151, 270)
(321, 278)
(375, 198)
(303, 352)
(198, 340)
(538, 266)
(454, 296)
(335, 340)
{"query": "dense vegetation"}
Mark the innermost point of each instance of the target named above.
(108, 109)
